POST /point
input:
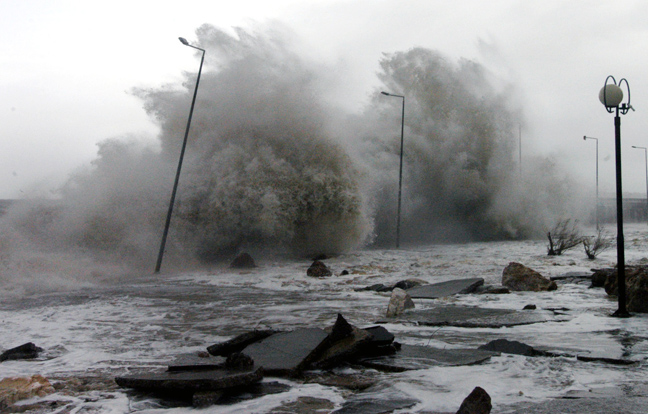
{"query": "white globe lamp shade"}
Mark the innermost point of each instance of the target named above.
(611, 96)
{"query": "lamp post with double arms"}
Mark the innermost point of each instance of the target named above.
(400, 170)
(165, 233)
(611, 96)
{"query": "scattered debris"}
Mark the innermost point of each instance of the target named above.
(24, 351)
(243, 261)
(518, 277)
(448, 288)
(318, 269)
(399, 302)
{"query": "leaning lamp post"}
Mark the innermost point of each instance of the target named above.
(611, 96)
(158, 265)
(400, 170)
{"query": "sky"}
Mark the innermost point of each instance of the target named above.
(67, 69)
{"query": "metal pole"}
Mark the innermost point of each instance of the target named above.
(158, 265)
(622, 311)
(597, 179)
(400, 175)
(646, 159)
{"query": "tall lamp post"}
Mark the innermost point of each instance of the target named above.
(400, 170)
(597, 179)
(611, 96)
(646, 159)
(158, 265)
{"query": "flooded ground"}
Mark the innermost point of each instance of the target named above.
(100, 331)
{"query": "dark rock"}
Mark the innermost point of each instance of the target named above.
(318, 269)
(530, 307)
(378, 287)
(379, 336)
(493, 290)
(413, 357)
(613, 361)
(636, 288)
(341, 350)
(344, 272)
(518, 277)
(238, 343)
(190, 382)
(341, 329)
(239, 360)
(510, 347)
(243, 261)
(408, 284)
(288, 353)
(477, 402)
(443, 289)
(600, 276)
(24, 351)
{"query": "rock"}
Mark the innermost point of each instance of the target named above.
(344, 272)
(243, 261)
(378, 287)
(239, 360)
(409, 283)
(14, 389)
(380, 336)
(510, 347)
(600, 276)
(24, 351)
(342, 350)
(238, 343)
(400, 301)
(518, 277)
(318, 269)
(636, 288)
(530, 307)
(477, 402)
(443, 289)
(493, 290)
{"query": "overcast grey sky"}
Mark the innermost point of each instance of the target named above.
(67, 67)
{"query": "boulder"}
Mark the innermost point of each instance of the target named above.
(518, 277)
(24, 351)
(318, 269)
(600, 276)
(14, 389)
(243, 261)
(636, 288)
(399, 302)
(477, 402)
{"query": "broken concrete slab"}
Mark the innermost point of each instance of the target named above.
(191, 381)
(341, 350)
(412, 357)
(286, 353)
(379, 335)
(189, 362)
(235, 395)
(238, 343)
(472, 317)
(443, 289)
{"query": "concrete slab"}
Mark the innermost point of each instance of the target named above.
(412, 357)
(187, 362)
(443, 289)
(472, 317)
(286, 353)
(190, 381)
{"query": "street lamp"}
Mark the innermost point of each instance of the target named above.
(611, 96)
(400, 170)
(646, 159)
(158, 265)
(597, 180)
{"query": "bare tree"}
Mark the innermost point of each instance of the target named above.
(563, 236)
(597, 244)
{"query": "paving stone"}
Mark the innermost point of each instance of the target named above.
(412, 357)
(187, 362)
(190, 381)
(472, 317)
(286, 353)
(443, 289)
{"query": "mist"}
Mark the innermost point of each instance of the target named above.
(272, 166)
